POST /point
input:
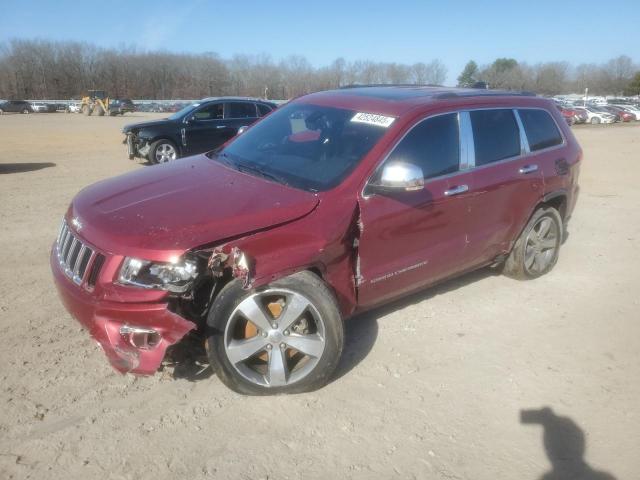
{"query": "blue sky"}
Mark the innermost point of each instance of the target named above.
(391, 31)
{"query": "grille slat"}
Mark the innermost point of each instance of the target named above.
(73, 254)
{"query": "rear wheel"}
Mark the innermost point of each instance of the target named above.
(284, 338)
(98, 110)
(595, 121)
(26, 111)
(536, 250)
(86, 110)
(162, 151)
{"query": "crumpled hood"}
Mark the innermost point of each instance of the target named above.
(139, 126)
(161, 211)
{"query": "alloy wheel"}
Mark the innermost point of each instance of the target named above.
(274, 338)
(541, 245)
(165, 152)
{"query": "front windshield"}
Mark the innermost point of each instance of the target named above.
(306, 146)
(180, 113)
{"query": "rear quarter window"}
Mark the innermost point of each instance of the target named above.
(542, 131)
(495, 135)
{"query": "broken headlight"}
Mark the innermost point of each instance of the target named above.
(173, 277)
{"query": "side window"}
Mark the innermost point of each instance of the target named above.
(241, 110)
(495, 135)
(209, 112)
(433, 145)
(540, 128)
(263, 109)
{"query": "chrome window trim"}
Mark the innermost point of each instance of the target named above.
(466, 141)
(524, 141)
(468, 145)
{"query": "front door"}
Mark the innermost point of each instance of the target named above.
(412, 238)
(205, 130)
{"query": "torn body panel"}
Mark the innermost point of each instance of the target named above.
(119, 328)
(326, 247)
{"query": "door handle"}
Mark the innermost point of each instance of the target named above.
(220, 127)
(528, 169)
(456, 190)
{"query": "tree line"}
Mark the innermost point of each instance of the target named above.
(47, 69)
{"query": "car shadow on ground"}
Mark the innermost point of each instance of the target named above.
(361, 331)
(564, 443)
(6, 168)
(187, 359)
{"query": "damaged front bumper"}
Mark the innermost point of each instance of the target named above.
(136, 146)
(134, 336)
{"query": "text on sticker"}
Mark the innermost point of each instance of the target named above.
(373, 119)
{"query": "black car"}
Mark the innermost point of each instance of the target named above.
(120, 106)
(18, 106)
(197, 128)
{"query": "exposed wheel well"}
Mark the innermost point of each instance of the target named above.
(559, 203)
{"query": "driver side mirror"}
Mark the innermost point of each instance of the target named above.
(398, 177)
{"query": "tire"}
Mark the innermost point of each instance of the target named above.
(26, 111)
(162, 151)
(98, 110)
(86, 110)
(595, 121)
(1, 112)
(295, 372)
(533, 256)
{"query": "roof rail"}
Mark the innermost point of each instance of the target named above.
(449, 92)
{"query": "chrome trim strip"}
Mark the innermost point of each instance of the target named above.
(466, 142)
(524, 141)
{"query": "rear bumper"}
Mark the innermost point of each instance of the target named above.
(104, 321)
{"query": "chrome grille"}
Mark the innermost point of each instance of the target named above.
(74, 256)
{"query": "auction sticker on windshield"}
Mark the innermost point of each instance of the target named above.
(373, 119)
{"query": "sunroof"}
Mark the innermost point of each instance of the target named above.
(394, 92)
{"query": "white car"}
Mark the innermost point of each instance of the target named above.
(73, 108)
(39, 107)
(631, 109)
(595, 115)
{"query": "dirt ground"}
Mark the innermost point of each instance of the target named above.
(430, 387)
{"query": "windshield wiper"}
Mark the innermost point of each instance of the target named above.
(253, 169)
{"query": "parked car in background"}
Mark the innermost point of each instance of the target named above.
(595, 115)
(334, 204)
(41, 107)
(73, 107)
(569, 114)
(635, 111)
(197, 128)
(15, 106)
(120, 106)
(621, 114)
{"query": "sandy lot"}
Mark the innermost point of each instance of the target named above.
(430, 387)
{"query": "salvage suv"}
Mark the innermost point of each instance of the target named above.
(197, 128)
(334, 204)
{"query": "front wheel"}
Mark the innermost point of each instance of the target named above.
(162, 151)
(284, 338)
(536, 250)
(25, 111)
(595, 121)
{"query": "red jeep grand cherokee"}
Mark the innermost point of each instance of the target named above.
(335, 203)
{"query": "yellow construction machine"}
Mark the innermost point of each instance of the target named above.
(95, 102)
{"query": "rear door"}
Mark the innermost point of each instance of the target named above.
(410, 239)
(238, 114)
(507, 183)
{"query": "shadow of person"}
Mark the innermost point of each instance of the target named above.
(564, 442)
(23, 167)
